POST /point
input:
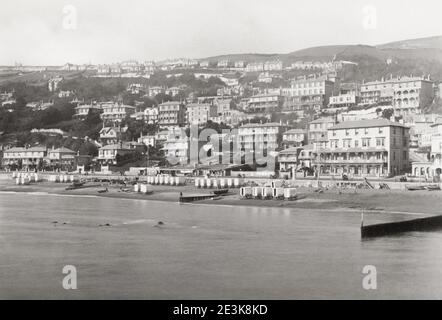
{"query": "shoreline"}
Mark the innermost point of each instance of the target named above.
(418, 203)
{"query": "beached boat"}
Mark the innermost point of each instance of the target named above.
(415, 188)
(220, 192)
(434, 187)
(103, 191)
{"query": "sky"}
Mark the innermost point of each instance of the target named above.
(53, 32)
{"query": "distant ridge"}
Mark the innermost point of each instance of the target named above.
(420, 43)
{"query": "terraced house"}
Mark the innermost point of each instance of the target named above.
(27, 158)
(376, 148)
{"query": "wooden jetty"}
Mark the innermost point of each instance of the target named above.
(392, 228)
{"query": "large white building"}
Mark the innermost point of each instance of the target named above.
(406, 95)
(200, 113)
(377, 148)
(309, 93)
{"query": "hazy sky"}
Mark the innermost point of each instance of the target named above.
(40, 33)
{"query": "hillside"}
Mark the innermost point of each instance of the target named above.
(422, 43)
(417, 57)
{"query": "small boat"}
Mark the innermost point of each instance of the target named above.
(103, 191)
(434, 187)
(220, 192)
(415, 188)
(78, 184)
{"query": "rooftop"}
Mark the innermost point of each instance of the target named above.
(296, 131)
(367, 124)
(261, 125)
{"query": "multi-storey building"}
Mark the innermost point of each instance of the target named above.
(149, 140)
(406, 94)
(177, 148)
(54, 83)
(431, 166)
(153, 91)
(151, 115)
(200, 113)
(82, 111)
(264, 103)
(259, 139)
(318, 129)
(20, 157)
(116, 112)
(205, 64)
(309, 93)
(112, 135)
(239, 64)
(114, 154)
(294, 138)
(288, 158)
(171, 114)
(378, 148)
(275, 65)
(348, 96)
(255, 67)
(343, 101)
(62, 158)
(223, 63)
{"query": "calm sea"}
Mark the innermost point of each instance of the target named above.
(203, 252)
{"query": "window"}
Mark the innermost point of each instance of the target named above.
(356, 143)
(366, 142)
(347, 132)
(380, 142)
(366, 130)
(381, 130)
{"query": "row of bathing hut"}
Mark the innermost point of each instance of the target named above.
(25, 178)
(62, 178)
(219, 183)
(166, 180)
(141, 188)
(276, 190)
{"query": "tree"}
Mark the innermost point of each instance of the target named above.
(387, 113)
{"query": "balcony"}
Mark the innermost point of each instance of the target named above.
(353, 161)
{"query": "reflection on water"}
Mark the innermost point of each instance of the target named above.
(203, 252)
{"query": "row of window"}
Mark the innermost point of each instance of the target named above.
(365, 142)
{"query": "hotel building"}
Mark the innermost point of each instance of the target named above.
(264, 103)
(171, 114)
(377, 148)
(407, 95)
(309, 93)
(200, 113)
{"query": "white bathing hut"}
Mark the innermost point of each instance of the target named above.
(290, 193)
(267, 192)
(257, 192)
(278, 193)
(246, 192)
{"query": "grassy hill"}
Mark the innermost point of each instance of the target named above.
(416, 56)
(421, 43)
